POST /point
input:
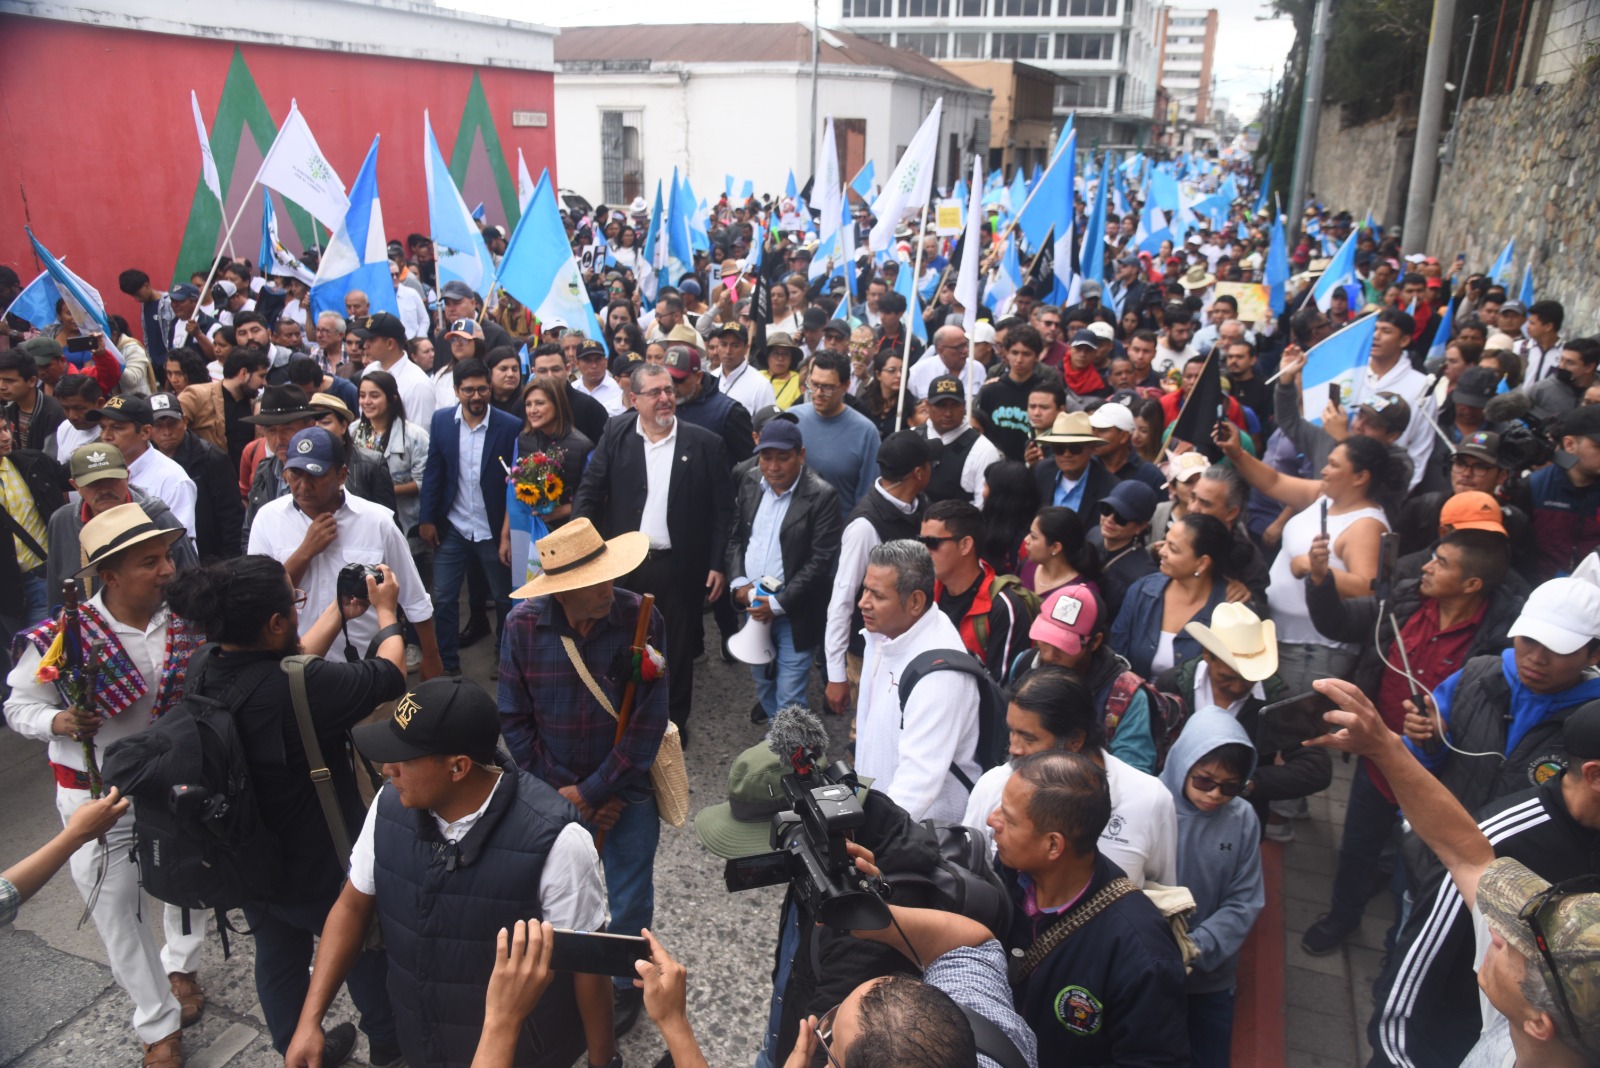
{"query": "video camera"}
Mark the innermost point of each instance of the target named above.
(808, 838)
(1524, 432)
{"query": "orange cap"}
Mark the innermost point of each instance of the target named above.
(1473, 510)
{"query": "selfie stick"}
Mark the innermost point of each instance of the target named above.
(641, 631)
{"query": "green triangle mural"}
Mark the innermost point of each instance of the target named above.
(240, 109)
(476, 118)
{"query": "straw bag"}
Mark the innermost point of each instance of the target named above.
(668, 774)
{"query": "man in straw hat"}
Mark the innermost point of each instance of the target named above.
(1069, 475)
(458, 844)
(567, 644)
(1237, 671)
(146, 653)
(1538, 944)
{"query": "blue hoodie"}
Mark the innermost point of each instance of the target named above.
(1219, 854)
(1528, 709)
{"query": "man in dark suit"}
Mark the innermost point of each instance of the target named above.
(656, 473)
(464, 502)
(1072, 477)
(788, 529)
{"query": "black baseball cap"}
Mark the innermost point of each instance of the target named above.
(385, 325)
(123, 408)
(946, 388)
(1580, 734)
(1582, 422)
(442, 717)
(904, 451)
(1475, 387)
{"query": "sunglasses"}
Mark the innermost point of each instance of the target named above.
(933, 541)
(1108, 512)
(1541, 908)
(1073, 449)
(1205, 785)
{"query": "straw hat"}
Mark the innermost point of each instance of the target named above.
(327, 402)
(1070, 428)
(1197, 277)
(574, 556)
(110, 532)
(1240, 639)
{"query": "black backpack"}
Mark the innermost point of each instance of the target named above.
(993, 737)
(197, 832)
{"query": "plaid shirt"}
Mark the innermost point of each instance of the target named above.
(556, 729)
(10, 902)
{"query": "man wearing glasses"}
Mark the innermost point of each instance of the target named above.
(1524, 874)
(1047, 320)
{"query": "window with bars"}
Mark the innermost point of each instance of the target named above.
(621, 162)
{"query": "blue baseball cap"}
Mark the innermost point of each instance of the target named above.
(1131, 500)
(314, 451)
(185, 291)
(779, 434)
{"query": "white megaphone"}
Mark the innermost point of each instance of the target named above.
(753, 643)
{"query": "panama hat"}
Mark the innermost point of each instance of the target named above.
(110, 532)
(1240, 639)
(574, 556)
(1197, 277)
(1070, 428)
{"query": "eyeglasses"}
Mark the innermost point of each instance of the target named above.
(1206, 785)
(933, 541)
(1072, 448)
(1539, 908)
(472, 391)
(300, 598)
(1470, 463)
(825, 1035)
(819, 388)
(652, 394)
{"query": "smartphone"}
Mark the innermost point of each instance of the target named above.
(1335, 396)
(598, 954)
(80, 344)
(1285, 724)
(1324, 517)
(1388, 563)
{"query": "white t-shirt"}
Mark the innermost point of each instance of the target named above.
(1493, 1048)
(1141, 836)
(572, 895)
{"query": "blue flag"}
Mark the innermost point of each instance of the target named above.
(274, 258)
(1265, 191)
(539, 270)
(905, 285)
(1008, 276)
(459, 251)
(1441, 336)
(1340, 359)
(358, 255)
(790, 190)
(862, 182)
(81, 298)
(1503, 270)
(1164, 190)
(1092, 256)
(1525, 295)
(699, 238)
(680, 250)
(36, 304)
(649, 280)
(1275, 274)
(748, 191)
(1341, 271)
(1051, 206)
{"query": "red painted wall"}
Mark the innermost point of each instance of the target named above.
(102, 160)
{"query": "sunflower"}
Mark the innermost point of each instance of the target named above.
(527, 493)
(553, 486)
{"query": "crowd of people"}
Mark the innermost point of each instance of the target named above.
(1116, 593)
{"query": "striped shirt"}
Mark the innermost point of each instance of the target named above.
(19, 502)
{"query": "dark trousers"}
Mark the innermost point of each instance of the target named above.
(1369, 820)
(450, 562)
(284, 936)
(680, 595)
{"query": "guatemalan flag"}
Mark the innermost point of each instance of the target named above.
(1339, 359)
(1341, 271)
(358, 254)
(539, 270)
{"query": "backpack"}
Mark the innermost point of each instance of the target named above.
(1001, 583)
(198, 838)
(993, 736)
(964, 880)
(1168, 712)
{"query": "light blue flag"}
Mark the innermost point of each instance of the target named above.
(1441, 336)
(1342, 359)
(791, 190)
(1525, 295)
(727, 186)
(1064, 136)
(650, 280)
(1164, 190)
(274, 258)
(1265, 191)
(1341, 271)
(358, 254)
(1038, 173)
(1275, 274)
(748, 191)
(1092, 254)
(996, 179)
(36, 304)
(1019, 191)
(905, 285)
(862, 182)
(458, 247)
(699, 239)
(680, 250)
(81, 298)
(1229, 190)
(1371, 225)
(1002, 288)
(538, 268)
(1051, 206)
(960, 195)
(1504, 270)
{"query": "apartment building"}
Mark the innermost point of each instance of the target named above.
(1188, 48)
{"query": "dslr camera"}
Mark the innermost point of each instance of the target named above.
(352, 580)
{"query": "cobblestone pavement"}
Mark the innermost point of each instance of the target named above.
(60, 1007)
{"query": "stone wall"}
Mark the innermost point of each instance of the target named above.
(1527, 166)
(1364, 167)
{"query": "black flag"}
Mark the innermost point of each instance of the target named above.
(1203, 408)
(1042, 272)
(760, 314)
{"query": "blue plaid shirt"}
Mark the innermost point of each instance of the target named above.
(555, 728)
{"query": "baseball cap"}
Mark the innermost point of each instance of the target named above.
(1089, 288)
(227, 287)
(1580, 734)
(1388, 410)
(1582, 422)
(689, 285)
(735, 329)
(467, 328)
(767, 413)
(1102, 330)
(683, 361)
(1187, 466)
(456, 289)
(1563, 615)
(185, 291)
(313, 450)
(1513, 306)
(96, 462)
(441, 717)
(123, 408)
(904, 451)
(1066, 619)
(946, 388)
(591, 349)
(1131, 500)
(780, 434)
(1473, 510)
(983, 332)
(1112, 416)
(813, 318)
(44, 350)
(387, 326)
(831, 328)
(1085, 338)
(1482, 445)
(165, 406)
(1475, 387)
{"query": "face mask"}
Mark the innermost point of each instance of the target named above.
(1563, 376)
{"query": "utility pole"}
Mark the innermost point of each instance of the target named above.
(1310, 115)
(1430, 118)
(816, 50)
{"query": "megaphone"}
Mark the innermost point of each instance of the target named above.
(753, 643)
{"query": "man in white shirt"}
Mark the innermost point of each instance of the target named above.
(318, 529)
(947, 355)
(515, 849)
(911, 752)
(966, 453)
(594, 378)
(1390, 371)
(386, 351)
(734, 375)
(1176, 343)
(1051, 709)
(125, 424)
(413, 311)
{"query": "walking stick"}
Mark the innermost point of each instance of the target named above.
(641, 631)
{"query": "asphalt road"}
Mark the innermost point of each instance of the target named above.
(59, 1007)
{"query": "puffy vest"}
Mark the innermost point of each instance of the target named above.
(945, 485)
(890, 524)
(442, 904)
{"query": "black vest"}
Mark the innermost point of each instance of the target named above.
(890, 524)
(945, 485)
(441, 906)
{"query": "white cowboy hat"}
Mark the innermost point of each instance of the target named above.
(1240, 639)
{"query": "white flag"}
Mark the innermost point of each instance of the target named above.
(971, 250)
(524, 183)
(296, 167)
(208, 164)
(825, 194)
(908, 188)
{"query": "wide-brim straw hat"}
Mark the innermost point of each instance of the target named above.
(1240, 639)
(122, 527)
(575, 556)
(1070, 428)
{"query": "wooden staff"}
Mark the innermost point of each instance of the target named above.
(641, 631)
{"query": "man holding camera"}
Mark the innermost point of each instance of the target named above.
(319, 532)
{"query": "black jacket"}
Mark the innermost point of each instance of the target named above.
(699, 500)
(1098, 483)
(218, 513)
(47, 415)
(809, 543)
(47, 483)
(724, 417)
(589, 416)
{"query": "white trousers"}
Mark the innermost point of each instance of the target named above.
(137, 964)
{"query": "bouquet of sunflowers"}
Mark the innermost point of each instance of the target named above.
(536, 480)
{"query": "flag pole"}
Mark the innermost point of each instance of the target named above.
(226, 238)
(905, 355)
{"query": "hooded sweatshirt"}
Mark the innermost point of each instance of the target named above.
(1219, 854)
